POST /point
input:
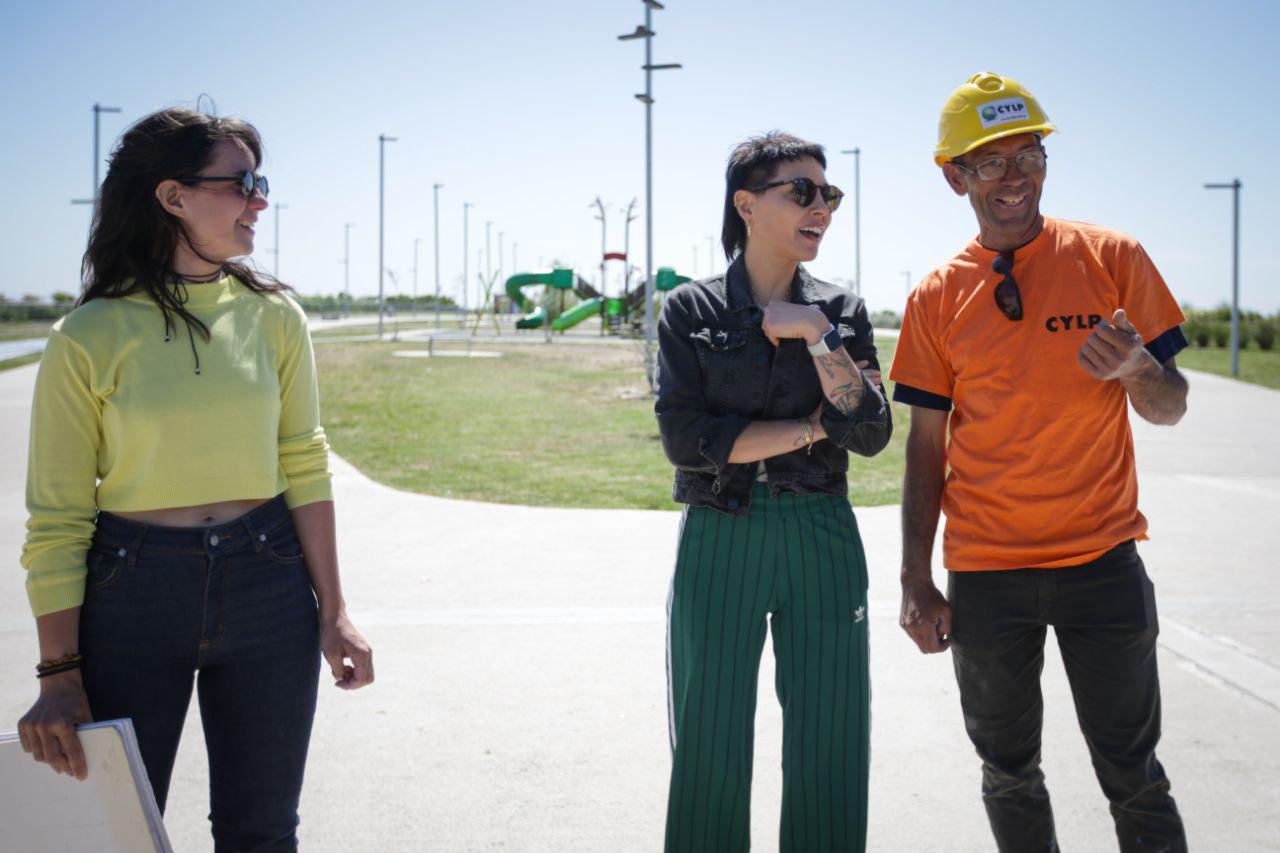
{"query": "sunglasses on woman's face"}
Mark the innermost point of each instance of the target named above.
(246, 180)
(803, 191)
(1008, 297)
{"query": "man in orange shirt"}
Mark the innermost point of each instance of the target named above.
(1019, 358)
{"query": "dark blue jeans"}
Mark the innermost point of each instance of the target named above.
(234, 604)
(1104, 615)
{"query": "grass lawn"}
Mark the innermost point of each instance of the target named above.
(9, 364)
(17, 331)
(560, 425)
(1256, 366)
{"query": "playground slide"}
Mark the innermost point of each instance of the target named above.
(537, 316)
(576, 314)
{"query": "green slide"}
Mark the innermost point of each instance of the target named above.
(560, 278)
(576, 314)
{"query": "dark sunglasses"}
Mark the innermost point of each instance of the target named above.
(1008, 298)
(247, 180)
(803, 190)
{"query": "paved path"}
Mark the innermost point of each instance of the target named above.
(520, 701)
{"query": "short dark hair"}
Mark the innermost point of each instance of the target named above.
(753, 162)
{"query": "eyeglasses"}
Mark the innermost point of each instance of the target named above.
(1028, 162)
(247, 180)
(1008, 298)
(803, 191)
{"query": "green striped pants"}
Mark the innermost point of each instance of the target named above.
(797, 559)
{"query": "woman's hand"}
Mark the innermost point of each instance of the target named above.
(48, 730)
(789, 320)
(340, 642)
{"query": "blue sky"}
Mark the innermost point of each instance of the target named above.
(526, 110)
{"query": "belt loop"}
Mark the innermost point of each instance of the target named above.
(136, 545)
(255, 537)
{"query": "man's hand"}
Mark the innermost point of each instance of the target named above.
(789, 320)
(1114, 350)
(926, 616)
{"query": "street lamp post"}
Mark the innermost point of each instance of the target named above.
(646, 32)
(906, 275)
(627, 219)
(435, 219)
(466, 210)
(275, 250)
(857, 218)
(346, 268)
(383, 139)
(515, 258)
(98, 110)
(604, 234)
(488, 254)
(413, 308)
(1234, 186)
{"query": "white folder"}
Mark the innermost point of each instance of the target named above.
(112, 810)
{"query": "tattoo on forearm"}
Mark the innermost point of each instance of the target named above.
(846, 397)
(827, 364)
(800, 439)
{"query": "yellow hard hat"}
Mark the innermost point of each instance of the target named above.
(987, 107)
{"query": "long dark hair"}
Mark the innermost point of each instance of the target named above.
(753, 162)
(133, 238)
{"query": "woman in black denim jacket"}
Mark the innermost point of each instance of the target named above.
(766, 379)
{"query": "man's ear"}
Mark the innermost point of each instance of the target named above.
(743, 201)
(954, 178)
(169, 194)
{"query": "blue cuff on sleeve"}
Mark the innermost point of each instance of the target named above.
(924, 399)
(1168, 345)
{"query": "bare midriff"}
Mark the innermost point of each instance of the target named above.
(204, 515)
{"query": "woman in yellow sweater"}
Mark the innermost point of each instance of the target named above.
(181, 515)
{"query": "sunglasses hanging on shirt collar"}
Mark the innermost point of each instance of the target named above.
(1008, 297)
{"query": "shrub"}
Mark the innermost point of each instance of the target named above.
(1221, 333)
(1265, 335)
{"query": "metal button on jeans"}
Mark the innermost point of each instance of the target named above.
(213, 541)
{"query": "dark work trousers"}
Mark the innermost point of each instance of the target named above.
(796, 561)
(1104, 614)
(234, 604)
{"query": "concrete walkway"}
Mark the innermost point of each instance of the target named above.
(520, 701)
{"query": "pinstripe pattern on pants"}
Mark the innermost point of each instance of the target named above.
(797, 562)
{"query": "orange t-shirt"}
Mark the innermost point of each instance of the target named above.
(1040, 453)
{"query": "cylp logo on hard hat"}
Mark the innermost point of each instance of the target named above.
(1003, 112)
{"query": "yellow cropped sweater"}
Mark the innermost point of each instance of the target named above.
(122, 421)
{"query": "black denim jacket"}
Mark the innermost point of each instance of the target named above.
(717, 372)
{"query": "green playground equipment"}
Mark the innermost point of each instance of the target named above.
(559, 279)
(592, 303)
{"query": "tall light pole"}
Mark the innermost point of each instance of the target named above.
(857, 218)
(501, 234)
(275, 250)
(515, 258)
(98, 110)
(604, 242)
(466, 209)
(488, 255)
(906, 275)
(435, 205)
(627, 219)
(646, 32)
(346, 268)
(414, 304)
(383, 139)
(1234, 186)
